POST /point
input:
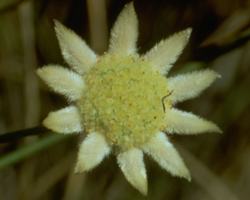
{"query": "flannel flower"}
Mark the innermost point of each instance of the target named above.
(124, 101)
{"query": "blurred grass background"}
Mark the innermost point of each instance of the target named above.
(42, 165)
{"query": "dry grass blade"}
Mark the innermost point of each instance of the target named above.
(6, 5)
(97, 25)
(74, 186)
(207, 180)
(230, 28)
(31, 89)
(52, 176)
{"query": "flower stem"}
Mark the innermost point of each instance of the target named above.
(29, 150)
(12, 136)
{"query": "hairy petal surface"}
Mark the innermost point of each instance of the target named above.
(163, 55)
(74, 50)
(92, 151)
(187, 123)
(132, 165)
(66, 120)
(164, 153)
(62, 81)
(125, 32)
(190, 85)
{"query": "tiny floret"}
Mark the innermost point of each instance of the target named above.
(124, 101)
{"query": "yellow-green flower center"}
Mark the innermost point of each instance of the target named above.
(123, 100)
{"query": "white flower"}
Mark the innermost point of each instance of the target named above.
(124, 101)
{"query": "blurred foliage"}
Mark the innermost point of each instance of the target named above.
(220, 164)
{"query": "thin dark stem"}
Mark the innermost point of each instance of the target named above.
(163, 99)
(16, 135)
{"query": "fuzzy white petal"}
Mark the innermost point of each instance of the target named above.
(187, 123)
(164, 153)
(163, 55)
(125, 32)
(74, 50)
(66, 120)
(190, 85)
(62, 81)
(132, 165)
(92, 151)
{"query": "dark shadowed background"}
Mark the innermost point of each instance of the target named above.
(41, 166)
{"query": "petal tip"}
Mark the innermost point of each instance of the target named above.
(211, 76)
(48, 123)
(189, 178)
(218, 75)
(92, 151)
(64, 121)
(132, 165)
(218, 129)
(40, 72)
(214, 128)
(46, 71)
(124, 34)
(63, 81)
(141, 187)
(79, 169)
(189, 31)
(60, 29)
(56, 22)
(82, 166)
(183, 172)
(144, 189)
(58, 26)
(131, 6)
(75, 51)
(214, 73)
(187, 175)
(186, 33)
